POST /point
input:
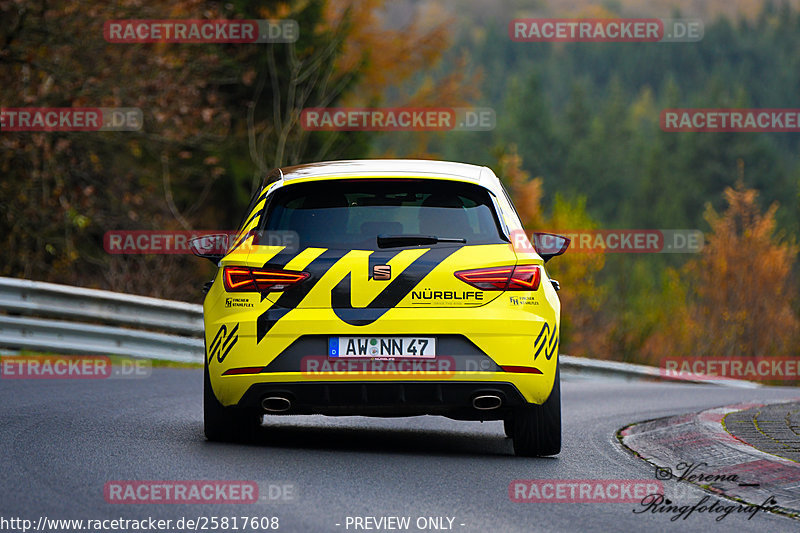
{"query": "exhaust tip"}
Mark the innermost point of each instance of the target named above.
(276, 404)
(486, 402)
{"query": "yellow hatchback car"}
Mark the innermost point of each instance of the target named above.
(383, 288)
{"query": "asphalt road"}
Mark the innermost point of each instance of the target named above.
(62, 441)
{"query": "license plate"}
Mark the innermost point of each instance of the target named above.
(408, 347)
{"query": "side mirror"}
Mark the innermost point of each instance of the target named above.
(549, 245)
(211, 247)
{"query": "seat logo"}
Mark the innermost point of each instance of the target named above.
(382, 272)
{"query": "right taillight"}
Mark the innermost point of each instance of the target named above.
(506, 278)
(525, 278)
(246, 279)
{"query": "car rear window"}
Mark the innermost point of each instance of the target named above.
(352, 213)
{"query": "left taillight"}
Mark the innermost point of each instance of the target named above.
(506, 278)
(246, 279)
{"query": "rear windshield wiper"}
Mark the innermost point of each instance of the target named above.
(390, 241)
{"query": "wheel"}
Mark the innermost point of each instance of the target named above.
(226, 424)
(536, 429)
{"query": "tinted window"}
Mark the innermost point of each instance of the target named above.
(352, 213)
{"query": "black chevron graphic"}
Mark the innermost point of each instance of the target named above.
(543, 343)
(389, 297)
(223, 343)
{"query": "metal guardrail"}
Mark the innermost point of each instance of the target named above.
(64, 301)
(37, 331)
(46, 305)
(598, 368)
(79, 338)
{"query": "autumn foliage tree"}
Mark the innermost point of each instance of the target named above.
(739, 292)
(743, 283)
(583, 327)
(216, 118)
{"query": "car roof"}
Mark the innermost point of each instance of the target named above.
(370, 168)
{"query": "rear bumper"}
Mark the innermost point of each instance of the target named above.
(427, 386)
(500, 342)
(396, 398)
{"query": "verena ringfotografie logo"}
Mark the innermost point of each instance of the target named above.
(582, 490)
(730, 120)
(747, 368)
(719, 509)
(398, 119)
(201, 31)
(70, 119)
(616, 30)
(620, 241)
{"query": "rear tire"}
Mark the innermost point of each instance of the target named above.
(508, 425)
(226, 424)
(536, 429)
